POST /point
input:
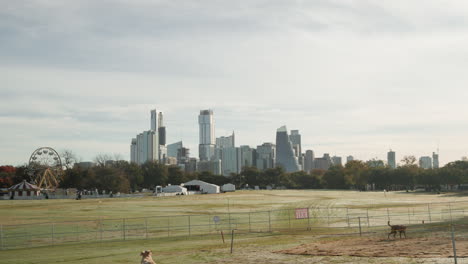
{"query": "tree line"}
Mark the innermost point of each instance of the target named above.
(123, 176)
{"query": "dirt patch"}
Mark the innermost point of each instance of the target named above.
(424, 247)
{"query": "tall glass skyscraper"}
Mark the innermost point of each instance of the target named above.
(207, 135)
(285, 156)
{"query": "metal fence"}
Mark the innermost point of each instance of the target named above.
(319, 220)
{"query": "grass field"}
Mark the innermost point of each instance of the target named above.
(249, 247)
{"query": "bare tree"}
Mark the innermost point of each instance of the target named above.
(69, 158)
(101, 159)
(409, 160)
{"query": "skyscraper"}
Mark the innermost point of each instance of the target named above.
(266, 156)
(247, 156)
(225, 142)
(285, 156)
(435, 160)
(207, 135)
(337, 161)
(425, 162)
(295, 139)
(391, 160)
(349, 158)
(309, 160)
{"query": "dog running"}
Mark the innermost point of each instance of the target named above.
(146, 257)
(395, 229)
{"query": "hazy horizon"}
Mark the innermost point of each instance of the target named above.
(354, 77)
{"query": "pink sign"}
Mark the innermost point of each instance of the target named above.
(302, 213)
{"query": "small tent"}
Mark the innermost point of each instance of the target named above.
(24, 188)
(201, 186)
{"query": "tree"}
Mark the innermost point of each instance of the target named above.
(357, 173)
(334, 178)
(409, 160)
(175, 175)
(154, 174)
(68, 158)
(251, 175)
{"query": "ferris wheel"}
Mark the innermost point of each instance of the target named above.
(45, 168)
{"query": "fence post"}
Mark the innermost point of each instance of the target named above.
(360, 231)
(367, 210)
(347, 216)
(189, 227)
(308, 218)
(289, 218)
(269, 221)
(429, 212)
(388, 215)
(146, 227)
(123, 229)
(450, 210)
(232, 239)
(1, 237)
(454, 245)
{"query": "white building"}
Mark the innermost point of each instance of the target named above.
(226, 142)
(175, 189)
(309, 161)
(435, 160)
(147, 145)
(201, 186)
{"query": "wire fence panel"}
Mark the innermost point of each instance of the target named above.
(423, 220)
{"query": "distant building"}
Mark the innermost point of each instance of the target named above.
(295, 139)
(435, 160)
(213, 166)
(337, 161)
(349, 158)
(391, 160)
(309, 160)
(266, 156)
(425, 162)
(207, 135)
(323, 163)
(84, 165)
(231, 160)
(150, 145)
(226, 142)
(285, 156)
(248, 156)
(173, 148)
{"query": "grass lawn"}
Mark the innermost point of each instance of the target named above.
(249, 248)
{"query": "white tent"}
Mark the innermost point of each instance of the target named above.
(24, 188)
(201, 186)
(175, 189)
(228, 187)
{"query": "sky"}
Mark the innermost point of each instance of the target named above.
(354, 77)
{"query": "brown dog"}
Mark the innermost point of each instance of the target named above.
(395, 229)
(146, 257)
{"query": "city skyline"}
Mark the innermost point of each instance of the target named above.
(354, 77)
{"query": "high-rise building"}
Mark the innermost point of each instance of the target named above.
(435, 160)
(248, 158)
(150, 145)
(323, 163)
(226, 142)
(266, 156)
(425, 162)
(337, 161)
(231, 160)
(207, 135)
(309, 160)
(295, 139)
(144, 148)
(349, 158)
(391, 160)
(173, 148)
(285, 156)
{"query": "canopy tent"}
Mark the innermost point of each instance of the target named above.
(24, 186)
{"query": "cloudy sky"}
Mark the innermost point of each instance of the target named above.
(355, 77)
